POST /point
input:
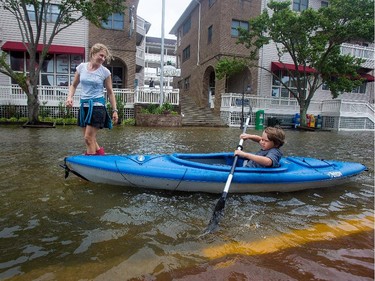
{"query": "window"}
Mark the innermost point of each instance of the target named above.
(211, 2)
(17, 61)
(359, 90)
(51, 13)
(57, 69)
(300, 5)
(238, 24)
(115, 21)
(186, 26)
(209, 35)
(279, 90)
(186, 53)
(30, 12)
(324, 4)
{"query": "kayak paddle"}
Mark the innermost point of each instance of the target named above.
(219, 208)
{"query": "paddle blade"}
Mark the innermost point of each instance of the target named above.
(66, 170)
(216, 216)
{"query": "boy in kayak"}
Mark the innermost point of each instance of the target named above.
(269, 155)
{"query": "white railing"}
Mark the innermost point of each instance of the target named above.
(145, 95)
(348, 109)
(366, 53)
(233, 102)
(14, 95)
(156, 58)
(54, 96)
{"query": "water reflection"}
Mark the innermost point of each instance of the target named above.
(57, 229)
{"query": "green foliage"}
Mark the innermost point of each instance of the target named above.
(229, 66)
(129, 122)
(165, 108)
(65, 121)
(120, 107)
(64, 111)
(44, 111)
(11, 110)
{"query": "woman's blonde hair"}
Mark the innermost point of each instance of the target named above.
(96, 48)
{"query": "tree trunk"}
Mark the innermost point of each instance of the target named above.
(33, 105)
(302, 112)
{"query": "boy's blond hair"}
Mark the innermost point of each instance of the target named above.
(276, 134)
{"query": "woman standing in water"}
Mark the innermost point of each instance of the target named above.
(93, 114)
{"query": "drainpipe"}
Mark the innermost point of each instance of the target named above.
(199, 30)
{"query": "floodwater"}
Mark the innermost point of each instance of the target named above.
(53, 228)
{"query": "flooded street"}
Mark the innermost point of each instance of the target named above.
(53, 228)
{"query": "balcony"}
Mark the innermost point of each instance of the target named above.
(366, 53)
(156, 58)
(140, 57)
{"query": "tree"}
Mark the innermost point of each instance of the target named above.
(312, 39)
(36, 28)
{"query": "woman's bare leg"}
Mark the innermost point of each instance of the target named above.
(89, 134)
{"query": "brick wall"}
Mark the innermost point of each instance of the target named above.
(219, 16)
(121, 44)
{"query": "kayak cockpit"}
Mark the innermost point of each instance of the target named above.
(221, 161)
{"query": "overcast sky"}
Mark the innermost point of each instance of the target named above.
(151, 11)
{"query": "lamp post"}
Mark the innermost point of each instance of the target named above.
(247, 90)
(162, 55)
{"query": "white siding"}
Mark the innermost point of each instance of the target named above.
(75, 35)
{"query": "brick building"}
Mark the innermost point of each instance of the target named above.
(120, 35)
(206, 32)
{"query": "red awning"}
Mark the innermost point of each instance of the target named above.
(288, 66)
(368, 77)
(53, 49)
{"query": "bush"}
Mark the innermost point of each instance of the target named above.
(129, 122)
(166, 108)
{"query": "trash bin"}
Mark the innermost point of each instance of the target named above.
(272, 121)
(318, 123)
(259, 120)
(312, 121)
(296, 120)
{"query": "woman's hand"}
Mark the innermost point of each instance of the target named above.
(69, 102)
(115, 117)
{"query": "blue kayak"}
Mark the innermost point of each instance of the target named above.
(209, 172)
